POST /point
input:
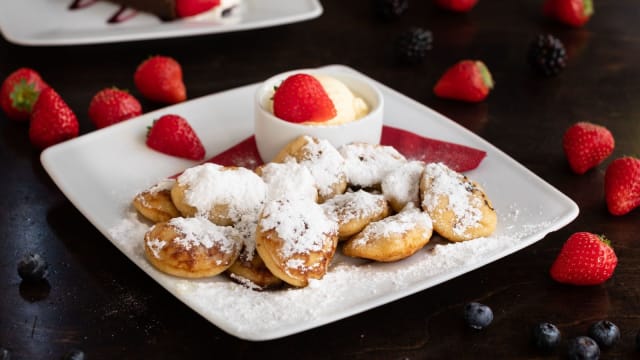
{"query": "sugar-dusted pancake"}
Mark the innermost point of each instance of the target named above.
(249, 269)
(224, 194)
(392, 238)
(323, 161)
(367, 164)
(355, 210)
(253, 273)
(459, 207)
(288, 179)
(155, 203)
(191, 247)
(296, 240)
(401, 186)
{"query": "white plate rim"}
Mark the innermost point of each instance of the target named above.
(52, 157)
(12, 20)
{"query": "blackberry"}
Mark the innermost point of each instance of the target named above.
(390, 9)
(33, 268)
(477, 315)
(605, 333)
(546, 336)
(412, 45)
(583, 348)
(547, 55)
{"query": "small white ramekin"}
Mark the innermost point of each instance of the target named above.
(272, 134)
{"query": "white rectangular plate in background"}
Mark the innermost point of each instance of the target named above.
(50, 22)
(101, 172)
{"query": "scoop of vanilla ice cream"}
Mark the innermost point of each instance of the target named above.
(348, 106)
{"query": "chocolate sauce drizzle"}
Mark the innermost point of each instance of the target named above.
(123, 14)
(79, 4)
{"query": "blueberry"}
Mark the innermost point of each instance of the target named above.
(33, 267)
(546, 336)
(4, 354)
(583, 348)
(477, 315)
(605, 333)
(74, 354)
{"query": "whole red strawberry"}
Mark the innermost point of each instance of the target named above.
(186, 8)
(112, 105)
(586, 145)
(52, 121)
(585, 259)
(159, 79)
(301, 98)
(571, 12)
(171, 134)
(19, 92)
(467, 80)
(457, 5)
(622, 185)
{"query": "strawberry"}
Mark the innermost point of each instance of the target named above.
(457, 5)
(301, 98)
(571, 12)
(186, 8)
(52, 121)
(467, 80)
(159, 79)
(19, 92)
(112, 105)
(622, 185)
(585, 259)
(172, 135)
(586, 145)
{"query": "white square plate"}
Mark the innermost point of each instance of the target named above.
(50, 22)
(100, 173)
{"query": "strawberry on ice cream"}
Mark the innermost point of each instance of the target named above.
(327, 103)
(316, 100)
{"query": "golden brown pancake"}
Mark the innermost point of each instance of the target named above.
(458, 206)
(155, 203)
(296, 240)
(393, 238)
(191, 247)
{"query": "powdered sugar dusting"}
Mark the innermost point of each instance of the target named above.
(397, 224)
(402, 184)
(367, 164)
(347, 286)
(301, 224)
(354, 205)
(198, 231)
(246, 229)
(446, 182)
(211, 184)
(325, 164)
(162, 185)
(156, 245)
(289, 179)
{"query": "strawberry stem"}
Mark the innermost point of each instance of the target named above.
(23, 96)
(605, 240)
(486, 75)
(150, 127)
(587, 7)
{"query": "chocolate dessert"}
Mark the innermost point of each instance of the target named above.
(164, 9)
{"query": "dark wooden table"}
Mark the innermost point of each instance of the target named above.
(100, 302)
